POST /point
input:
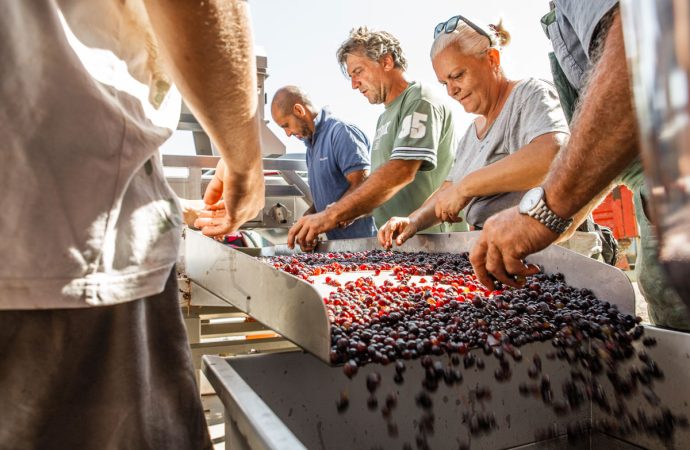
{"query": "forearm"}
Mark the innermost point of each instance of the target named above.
(604, 135)
(349, 190)
(583, 213)
(209, 53)
(310, 210)
(355, 179)
(425, 216)
(517, 172)
(383, 184)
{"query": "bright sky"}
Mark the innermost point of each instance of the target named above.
(300, 39)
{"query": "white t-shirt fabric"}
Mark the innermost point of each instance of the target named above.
(87, 216)
(531, 110)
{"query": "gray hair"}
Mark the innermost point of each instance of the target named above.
(374, 45)
(469, 41)
(287, 96)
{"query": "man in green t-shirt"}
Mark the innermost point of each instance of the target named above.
(414, 146)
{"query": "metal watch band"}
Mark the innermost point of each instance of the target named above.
(547, 217)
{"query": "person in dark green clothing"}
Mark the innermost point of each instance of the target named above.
(414, 146)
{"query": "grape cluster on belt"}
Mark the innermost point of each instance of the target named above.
(432, 304)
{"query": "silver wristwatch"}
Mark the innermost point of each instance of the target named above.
(533, 204)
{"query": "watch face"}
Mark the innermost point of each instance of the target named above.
(530, 199)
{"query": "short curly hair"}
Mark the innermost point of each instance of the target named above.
(373, 44)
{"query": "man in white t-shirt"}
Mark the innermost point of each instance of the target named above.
(93, 351)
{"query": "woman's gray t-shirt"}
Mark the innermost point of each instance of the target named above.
(532, 109)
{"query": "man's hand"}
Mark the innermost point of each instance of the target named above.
(307, 230)
(449, 203)
(191, 210)
(398, 228)
(242, 198)
(506, 240)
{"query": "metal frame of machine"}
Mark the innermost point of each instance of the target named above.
(216, 327)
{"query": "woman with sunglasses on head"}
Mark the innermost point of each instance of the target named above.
(508, 148)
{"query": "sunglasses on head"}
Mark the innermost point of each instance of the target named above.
(451, 24)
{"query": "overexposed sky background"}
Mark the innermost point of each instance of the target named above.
(300, 39)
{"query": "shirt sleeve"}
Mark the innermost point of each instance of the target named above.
(584, 16)
(419, 134)
(351, 149)
(540, 113)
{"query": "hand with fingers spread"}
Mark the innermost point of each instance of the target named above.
(449, 203)
(399, 229)
(306, 230)
(506, 240)
(231, 199)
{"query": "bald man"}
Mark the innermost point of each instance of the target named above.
(337, 156)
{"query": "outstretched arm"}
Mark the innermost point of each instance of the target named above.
(519, 171)
(383, 184)
(605, 137)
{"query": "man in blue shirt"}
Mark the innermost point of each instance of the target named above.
(337, 155)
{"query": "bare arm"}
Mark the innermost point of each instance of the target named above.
(605, 135)
(400, 229)
(208, 49)
(519, 171)
(355, 179)
(424, 216)
(522, 170)
(583, 213)
(383, 184)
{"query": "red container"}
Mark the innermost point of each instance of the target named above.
(617, 212)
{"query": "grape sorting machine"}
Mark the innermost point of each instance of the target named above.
(287, 400)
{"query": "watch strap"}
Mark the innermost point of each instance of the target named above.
(548, 218)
